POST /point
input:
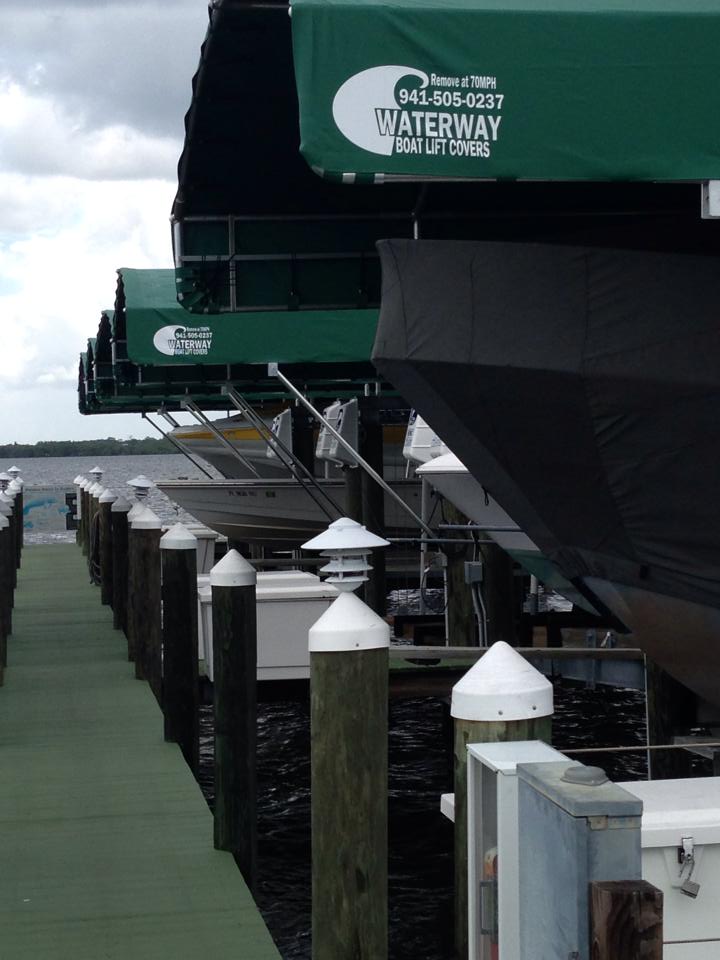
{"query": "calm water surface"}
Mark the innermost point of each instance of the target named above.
(47, 479)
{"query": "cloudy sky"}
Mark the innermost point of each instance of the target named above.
(92, 99)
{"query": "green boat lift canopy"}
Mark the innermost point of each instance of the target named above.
(150, 352)
(160, 332)
(595, 90)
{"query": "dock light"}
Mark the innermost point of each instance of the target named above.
(348, 544)
(141, 486)
(5, 479)
(96, 473)
(14, 472)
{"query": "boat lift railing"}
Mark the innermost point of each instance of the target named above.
(178, 444)
(193, 408)
(285, 455)
(274, 371)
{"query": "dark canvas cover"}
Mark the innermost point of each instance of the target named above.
(581, 386)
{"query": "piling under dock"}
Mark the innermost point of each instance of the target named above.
(106, 843)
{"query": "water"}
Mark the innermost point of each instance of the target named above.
(47, 479)
(420, 838)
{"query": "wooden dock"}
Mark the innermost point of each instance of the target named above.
(106, 843)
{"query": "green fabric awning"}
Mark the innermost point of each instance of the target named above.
(162, 333)
(509, 89)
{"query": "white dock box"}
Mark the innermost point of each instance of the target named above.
(681, 816)
(288, 604)
(493, 881)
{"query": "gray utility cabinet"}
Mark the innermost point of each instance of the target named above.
(569, 835)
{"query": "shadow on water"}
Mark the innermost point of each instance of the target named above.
(420, 857)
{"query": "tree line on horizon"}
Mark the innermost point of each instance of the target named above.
(109, 447)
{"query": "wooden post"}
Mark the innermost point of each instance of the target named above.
(82, 508)
(501, 698)
(105, 502)
(119, 536)
(234, 621)
(94, 533)
(5, 587)
(671, 708)
(178, 550)
(7, 509)
(462, 625)
(499, 593)
(146, 599)
(8, 497)
(373, 505)
(348, 710)
(19, 519)
(626, 920)
(132, 579)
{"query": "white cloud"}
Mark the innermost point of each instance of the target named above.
(40, 137)
(92, 98)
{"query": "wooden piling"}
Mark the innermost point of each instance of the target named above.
(501, 698)
(19, 521)
(234, 621)
(178, 550)
(462, 624)
(105, 503)
(119, 524)
(348, 704)
(373, 505)
(671, 709)
(7, 509)
(626, 920)
(5, 588)
(82, 525)
(145, 590)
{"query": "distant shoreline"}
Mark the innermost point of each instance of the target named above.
(110, 447)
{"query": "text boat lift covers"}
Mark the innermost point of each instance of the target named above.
(511, 89)
(582, 388)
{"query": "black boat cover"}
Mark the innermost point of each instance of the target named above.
(581, 386)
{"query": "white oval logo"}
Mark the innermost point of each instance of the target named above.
(166, 338)
(360, 104)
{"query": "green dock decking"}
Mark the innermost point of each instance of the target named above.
(106, 843)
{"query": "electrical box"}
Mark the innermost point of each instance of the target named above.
(575, 826)
(421, 442)
(493, 881)
(325, 438)
(348, 427)
(681, 856)
(282, 429)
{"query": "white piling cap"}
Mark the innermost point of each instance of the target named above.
(5, 476)
(348, 624)
(501, 686)
(107, 496)
(14, 471)
(96, 489)
(141, 482)
(19, 482)
(121, 505)
(145, 519)
(96, 471)
(343, 535)
(233, 571)
(135, 510)
(178, 537)
(79, 479)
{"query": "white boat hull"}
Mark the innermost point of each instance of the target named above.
(275, 512)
